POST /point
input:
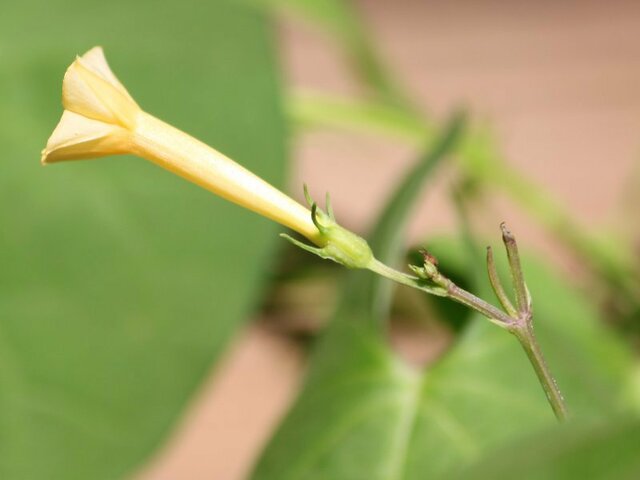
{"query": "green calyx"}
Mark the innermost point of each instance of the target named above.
(337, 243)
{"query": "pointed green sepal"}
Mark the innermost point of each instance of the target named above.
(335, 242)
(309, 248)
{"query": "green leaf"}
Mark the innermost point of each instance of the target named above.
(567, 452)
(120, 283)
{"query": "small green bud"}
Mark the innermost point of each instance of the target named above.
(419, 271)
(428, 271)
(336, 242)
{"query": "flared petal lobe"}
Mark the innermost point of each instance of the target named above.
(77, 137)
(91, 89)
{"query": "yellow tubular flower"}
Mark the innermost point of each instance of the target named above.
(101, 118)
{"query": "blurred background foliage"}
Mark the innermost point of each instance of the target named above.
(120, 284)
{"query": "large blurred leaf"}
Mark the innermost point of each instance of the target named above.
(120, 283)
(567, 452)
(364, 414)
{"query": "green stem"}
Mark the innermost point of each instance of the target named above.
(496, 285)
(494, 314)
(414, 282)
(444, 288)
(529, 343)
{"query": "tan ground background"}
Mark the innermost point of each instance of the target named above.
(560, 82)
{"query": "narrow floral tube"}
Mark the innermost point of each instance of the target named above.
(184, 155)
(101, 119)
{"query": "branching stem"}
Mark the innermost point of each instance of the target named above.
(517, 320)
(445, 288)
(346, 248)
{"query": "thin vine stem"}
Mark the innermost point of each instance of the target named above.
(531, 347)
(448, 289)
